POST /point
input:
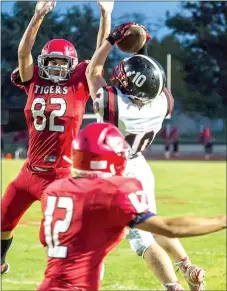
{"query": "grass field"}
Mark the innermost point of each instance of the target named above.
(182, 188)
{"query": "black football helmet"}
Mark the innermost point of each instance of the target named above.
(141, 77)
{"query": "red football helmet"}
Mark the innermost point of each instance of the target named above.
(99, 148)
(57, 49)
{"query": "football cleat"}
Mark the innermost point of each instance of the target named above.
(194, 276)
(5, 268)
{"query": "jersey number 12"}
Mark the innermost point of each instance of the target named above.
(52, 231)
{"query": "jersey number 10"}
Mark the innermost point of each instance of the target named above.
(139, 79)
(138, 142)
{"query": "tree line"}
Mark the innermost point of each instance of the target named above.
(197, 43)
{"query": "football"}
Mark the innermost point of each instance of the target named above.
(134, 41)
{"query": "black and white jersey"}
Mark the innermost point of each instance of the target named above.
(138, 124)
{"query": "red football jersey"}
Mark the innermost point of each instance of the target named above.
(83, 221)
(53, 114)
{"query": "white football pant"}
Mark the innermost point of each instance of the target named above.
(138, 168)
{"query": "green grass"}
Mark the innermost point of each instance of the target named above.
(182, 188)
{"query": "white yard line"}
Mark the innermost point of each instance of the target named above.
(30, 246)
(20, 282)
(204, 253)
(27, 223)
(117, 286)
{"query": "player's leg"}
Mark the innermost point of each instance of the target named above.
(56, 285)
(209, 150)
(143, 243)
(176, 148)
(15, 202)
(20, 194)
(167, 151)
(193, 274)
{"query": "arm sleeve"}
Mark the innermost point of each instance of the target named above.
(83, 67)
(106, 105)
(140, 217)
(134, 208)
(16, 80)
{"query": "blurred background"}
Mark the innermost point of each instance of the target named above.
(190, 36)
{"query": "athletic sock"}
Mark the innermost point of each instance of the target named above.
(5, 245)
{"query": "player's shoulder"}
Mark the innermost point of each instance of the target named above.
(82, 66)
(79, 74)
(167, 97)
(117, 184)
(166, 93)
(125, 184)
(16, 79)
(55, 186)
(129, 195)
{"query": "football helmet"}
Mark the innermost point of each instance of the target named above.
(99, 148)
(140, 77)
(57, 49)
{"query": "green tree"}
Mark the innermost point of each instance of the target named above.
(201, 30)
(159, 50)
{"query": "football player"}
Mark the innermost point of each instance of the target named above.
(57, 93)
(138, 105)
(84, 216)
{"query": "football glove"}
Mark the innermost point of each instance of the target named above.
(119, 33)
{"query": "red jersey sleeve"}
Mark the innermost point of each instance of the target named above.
(16, 80)
(132, 202)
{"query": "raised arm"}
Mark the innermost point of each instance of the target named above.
(95, 67)
(26, 44)
(95, 80)
(105, 21)
(183, 226)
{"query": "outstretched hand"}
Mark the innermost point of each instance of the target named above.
(119, 33)
(106, 6)
(44, 6)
